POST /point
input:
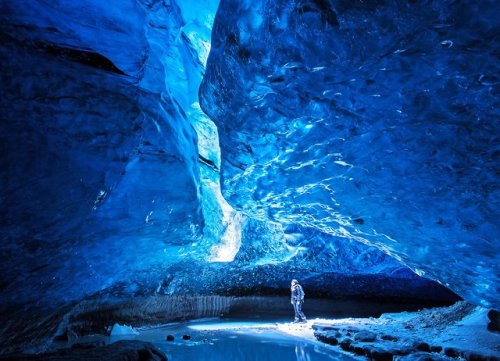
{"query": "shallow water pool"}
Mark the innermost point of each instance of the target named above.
(216, 340)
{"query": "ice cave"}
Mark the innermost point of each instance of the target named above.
(168, 167)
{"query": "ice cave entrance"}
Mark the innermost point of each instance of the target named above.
(167, 167)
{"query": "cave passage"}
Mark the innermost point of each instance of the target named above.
(169, 161)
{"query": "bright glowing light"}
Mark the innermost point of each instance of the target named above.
(230, 243)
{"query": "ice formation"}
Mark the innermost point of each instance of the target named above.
(370, 121)
(357, 139)
(121, 330)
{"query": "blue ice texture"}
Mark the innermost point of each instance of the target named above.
(352, 145)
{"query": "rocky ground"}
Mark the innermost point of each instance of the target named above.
(446, 333)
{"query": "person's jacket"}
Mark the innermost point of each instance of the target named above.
(297, 293)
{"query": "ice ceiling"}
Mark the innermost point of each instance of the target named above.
(356, 139)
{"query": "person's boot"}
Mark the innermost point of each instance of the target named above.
(304, 320)
(296, 320)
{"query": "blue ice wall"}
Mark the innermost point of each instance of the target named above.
(100, 179)
(374, 121)
(110, 170)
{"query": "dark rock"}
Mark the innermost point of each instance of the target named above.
(423, 346)
(186, 337)
(330, 330)
(170, 338)
(494, 324)
(436, 348)
(327, 338)
(389, 338)
(351, 329)
(380, 355)
(118, 351)
(403, 351)
(317, 327)
(473, 356)
(451, 352)
(365, 336)
(494, 315)
(358, 350)
(345, 344)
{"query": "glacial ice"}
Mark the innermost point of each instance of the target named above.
(100, 168)
(121, 330)
(369, 121)
(110, 181)
(112, 171)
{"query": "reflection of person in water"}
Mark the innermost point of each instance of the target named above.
(297, 301)
(300, 352)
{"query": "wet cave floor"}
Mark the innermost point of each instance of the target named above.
(235, 339)
(457, 332)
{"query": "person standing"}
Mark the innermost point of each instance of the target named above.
(297, 300)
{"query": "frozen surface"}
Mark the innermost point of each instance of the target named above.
(120, 330)
(368, 121)
(236, 341)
